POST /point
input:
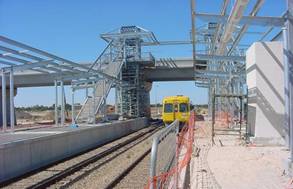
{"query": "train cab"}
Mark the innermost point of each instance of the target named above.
(176, 107)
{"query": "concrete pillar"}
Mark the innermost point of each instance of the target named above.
(266, 100)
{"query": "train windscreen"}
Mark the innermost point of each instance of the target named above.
(168, 108)
(183, 107)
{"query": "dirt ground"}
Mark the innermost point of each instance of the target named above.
(232, 164)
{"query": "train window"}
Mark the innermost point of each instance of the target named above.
(168, 108)
(183, 107)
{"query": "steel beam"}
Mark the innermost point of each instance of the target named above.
(266, 34)
(11, 58)
(8, 63)
(20, 53)
(220, 58)
(232, 21)
(22, 67)
(244, 28)
(250, 20)
(24, 46)
(219, 26)
(67, 64)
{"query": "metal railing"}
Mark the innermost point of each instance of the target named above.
(163, 150)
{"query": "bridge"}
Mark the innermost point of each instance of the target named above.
(177, 69)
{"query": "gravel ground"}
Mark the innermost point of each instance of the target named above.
(231, 164)
(201, 175)
(244, 167)
(99, 178)
(30, 180)
(138, 177)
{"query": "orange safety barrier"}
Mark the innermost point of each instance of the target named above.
(223, 118)
(184, 139)
(289, 184)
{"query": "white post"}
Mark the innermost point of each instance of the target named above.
(86, 91)
(62, 104)
(12, 123)
(72, 106)
(56, 102)
(4, 118)
(94, 103)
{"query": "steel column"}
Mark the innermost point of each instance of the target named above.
(241, 114)
(4, 113)
(56, 102)
(86, 91)
(286, 90)
(193, 37)
(62, 104)
(72, 106)
(213, 114)
(11, 93)
(288, 50)
(94, 103)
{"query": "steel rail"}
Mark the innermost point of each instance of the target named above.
(120, 177)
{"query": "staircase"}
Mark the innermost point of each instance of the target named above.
(110, 64)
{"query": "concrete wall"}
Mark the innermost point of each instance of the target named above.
(265, 80)
(19, 157)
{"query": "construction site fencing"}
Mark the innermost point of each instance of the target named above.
(223, 118)
(171, 153)
(164, 149)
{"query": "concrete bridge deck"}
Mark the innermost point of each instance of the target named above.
(165, 70)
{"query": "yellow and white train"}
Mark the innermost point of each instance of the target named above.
(176, 107)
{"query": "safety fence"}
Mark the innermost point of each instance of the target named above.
(171, 153)
(223, 119)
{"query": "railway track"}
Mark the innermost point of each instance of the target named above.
(78, 171)
(135, 176)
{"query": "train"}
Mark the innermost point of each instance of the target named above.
(176, 107)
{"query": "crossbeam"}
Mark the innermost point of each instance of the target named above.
(220, 58)
(250, 20)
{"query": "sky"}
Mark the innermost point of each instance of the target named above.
(71, 28)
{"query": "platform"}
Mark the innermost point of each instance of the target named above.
(231, 163)
(24, 151)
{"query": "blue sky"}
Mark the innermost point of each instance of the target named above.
(71, 29)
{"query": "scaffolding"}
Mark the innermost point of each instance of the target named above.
(132, 99)
(224, 71)
(220, 39)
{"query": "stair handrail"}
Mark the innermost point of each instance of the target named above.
(100, 56)
(82, 107)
